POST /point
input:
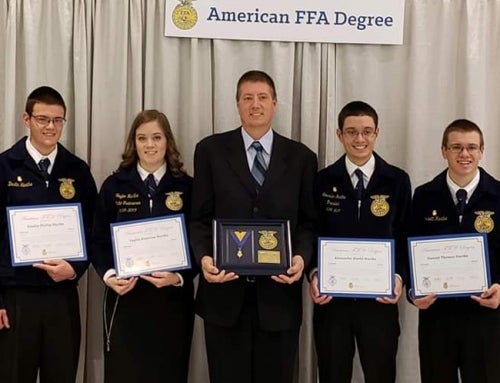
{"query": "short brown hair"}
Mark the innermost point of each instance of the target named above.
(256, 76)
(461, 125)
(44, 95)
(357, 108)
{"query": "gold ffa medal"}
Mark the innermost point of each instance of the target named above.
(66, 189)
(240, 238)
(174, 200)
(483, 222)
(184, 16)
(267, 240)
(379, 206)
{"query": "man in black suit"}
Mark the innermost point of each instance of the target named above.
(346, 209)
(252, 324)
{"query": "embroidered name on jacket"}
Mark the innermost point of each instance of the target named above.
(435, 217)
(127, 202)
(19, 184)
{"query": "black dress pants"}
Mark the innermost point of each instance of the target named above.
(44, 335)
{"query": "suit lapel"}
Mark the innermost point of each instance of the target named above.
(236, 158)
(342, 176)
(379, 176)
(278, 164)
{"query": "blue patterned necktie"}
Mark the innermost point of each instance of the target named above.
(259, 166)
(43, 165)
(461, 199)
(151, 187)
(360, 186)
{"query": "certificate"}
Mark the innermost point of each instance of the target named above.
(43, 232)
(252, 247)
(356, 267)
(148, 245)
(453, 265)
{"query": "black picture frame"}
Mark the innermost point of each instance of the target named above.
(252, 247)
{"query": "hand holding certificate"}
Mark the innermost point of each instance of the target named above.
(356, 267)
(455, 265)
(145, 246)
(40, 233)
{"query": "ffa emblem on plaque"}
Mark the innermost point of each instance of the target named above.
(184, 16)
(66, 189)
(379, 206)
(174, 201)
(483, 222)
(445, 285)
(267, 240)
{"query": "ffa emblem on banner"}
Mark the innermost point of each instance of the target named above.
(184, 16)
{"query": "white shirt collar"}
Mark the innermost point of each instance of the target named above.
(158, 174)
(37, 156)
(469, 188)
(368, 168)
(266, 140)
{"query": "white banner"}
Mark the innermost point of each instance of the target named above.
(333, 21)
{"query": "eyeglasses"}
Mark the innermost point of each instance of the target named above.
(472, 149)
(44, 121)
(353, 133)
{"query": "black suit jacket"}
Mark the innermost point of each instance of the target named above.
(225, 188)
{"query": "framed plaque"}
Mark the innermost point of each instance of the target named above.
(356, 267)
(449, 265)
(252, 247)
(148, 245)
(41, 232)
